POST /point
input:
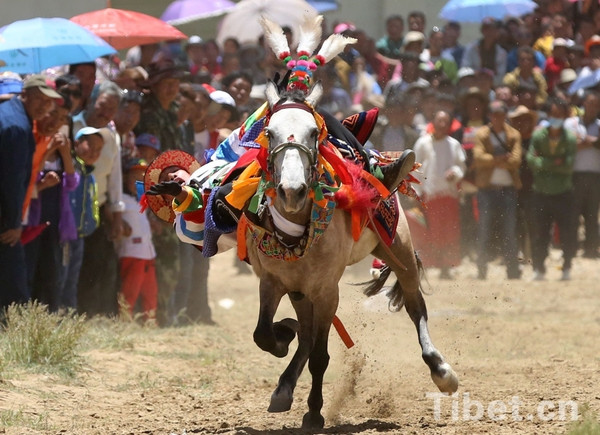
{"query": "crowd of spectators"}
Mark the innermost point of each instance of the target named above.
(508, 140)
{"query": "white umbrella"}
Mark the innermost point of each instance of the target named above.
(242, 22)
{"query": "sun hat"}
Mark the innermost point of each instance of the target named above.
(87, 131)
(43, 84)
(160, 206)
(148, 140)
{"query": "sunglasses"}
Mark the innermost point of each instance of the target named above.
(133, 96)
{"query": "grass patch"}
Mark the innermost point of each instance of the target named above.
(588, 424)
(30, 420)
(34, 338)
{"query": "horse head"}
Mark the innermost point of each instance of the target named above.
(293, 133)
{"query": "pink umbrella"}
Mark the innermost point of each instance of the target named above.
(124, 29)
(186, 11)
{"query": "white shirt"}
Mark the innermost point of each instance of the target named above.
(588, 159)
(437, 158)
(500, 176)
(139, 243)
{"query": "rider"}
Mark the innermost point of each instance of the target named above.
(223, 216)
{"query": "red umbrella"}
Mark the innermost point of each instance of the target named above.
(123, 29)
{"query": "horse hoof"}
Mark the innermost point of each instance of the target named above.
(445, 379)
(312, 420)
(280, 402)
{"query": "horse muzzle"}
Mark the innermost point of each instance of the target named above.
(292, 196)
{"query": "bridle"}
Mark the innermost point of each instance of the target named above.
(310, 151)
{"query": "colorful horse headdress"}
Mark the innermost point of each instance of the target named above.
(310, 37)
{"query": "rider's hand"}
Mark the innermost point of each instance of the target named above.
(172, 188)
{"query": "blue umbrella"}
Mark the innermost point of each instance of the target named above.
(475, 11)
(323, 5)
(30, 46)
(585, 81)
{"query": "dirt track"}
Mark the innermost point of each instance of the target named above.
(509, 341)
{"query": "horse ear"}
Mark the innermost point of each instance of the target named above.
(315, 94)
(272, 93)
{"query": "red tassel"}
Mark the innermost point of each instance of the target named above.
(143, 203)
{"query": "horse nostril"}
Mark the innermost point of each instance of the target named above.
(302, 191)
(281, 192)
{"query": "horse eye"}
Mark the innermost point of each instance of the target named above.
(267, 133)
(315, 133)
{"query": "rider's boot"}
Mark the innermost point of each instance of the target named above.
(395, 172)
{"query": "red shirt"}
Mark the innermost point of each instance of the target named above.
(553, 70)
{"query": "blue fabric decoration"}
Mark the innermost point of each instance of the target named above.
(139, 190)
(211, 231)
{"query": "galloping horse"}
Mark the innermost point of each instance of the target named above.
(311, 281)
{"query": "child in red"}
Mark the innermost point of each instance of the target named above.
(136, 251)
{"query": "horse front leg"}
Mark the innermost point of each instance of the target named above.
(319, 361)
(270, 337)
(283, 396)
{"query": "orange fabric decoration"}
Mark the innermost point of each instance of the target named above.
(242, 250)
(341, 330)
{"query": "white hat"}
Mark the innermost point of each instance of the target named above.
(86, 131)
(194, 40)
(222, 97)
(465, 71)
(413, 36)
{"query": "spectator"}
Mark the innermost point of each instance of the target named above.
(410, 76)
(414, 42)
(57, 178)
(465, 79)
(435, 54)
(97, 283)
(159, 111)
(524, 38)
(505, 94)
(497, 156)
(526, 73)
(148, 146)
(486, 53)
(443, 163)
(70, 86)
(524, 120)
(416, 21)
(399, 133)
(557, 62)
(84, 206)
(391, 44)
(206, 129)
(451, 35)
(586, 170)
(136, 251)
(126, 119)
(17, 145)
(546, 40)
(86, 73)
(195, 51)
(551, 156)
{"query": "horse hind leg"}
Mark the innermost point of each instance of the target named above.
(407, 291)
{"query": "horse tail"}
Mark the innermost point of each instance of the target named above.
(395, 293)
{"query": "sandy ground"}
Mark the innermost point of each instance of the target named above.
(525, 352)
